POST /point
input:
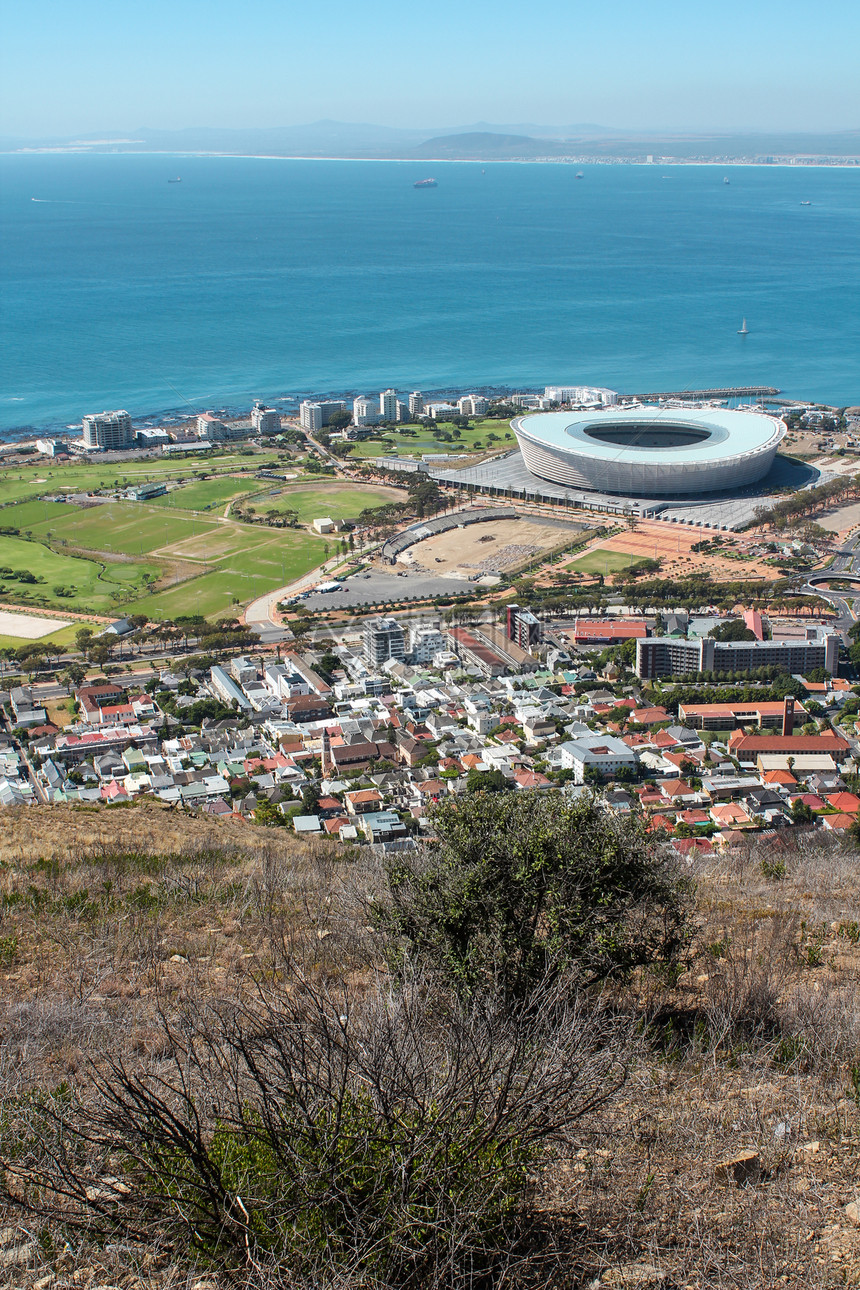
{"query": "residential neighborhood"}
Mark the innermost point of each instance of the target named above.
(356, 739)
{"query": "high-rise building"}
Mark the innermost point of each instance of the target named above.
(383, 639)
(108, 431)
(209, 427)
(365, 411)
(265, 420)
(522, 627)
(314, 414)
(388, 405)
(416, 403)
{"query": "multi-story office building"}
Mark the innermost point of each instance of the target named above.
(442, 411)
(522, 626)
(472, 405)
(388, 405)
(667, 656)
(416, 404)
(383, 639)
(313, 415)
(108, 431)
(265, 420)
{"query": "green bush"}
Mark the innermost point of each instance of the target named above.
(524, 887)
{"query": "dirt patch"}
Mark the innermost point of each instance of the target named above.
(673, 546)
(502, 544)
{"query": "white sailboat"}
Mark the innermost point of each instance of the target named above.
(743, 330)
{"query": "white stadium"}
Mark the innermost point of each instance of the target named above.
(650, 451)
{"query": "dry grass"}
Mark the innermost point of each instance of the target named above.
(753, 1047)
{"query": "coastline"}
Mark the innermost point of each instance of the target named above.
(847, 163)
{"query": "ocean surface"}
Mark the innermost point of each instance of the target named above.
(268, 278)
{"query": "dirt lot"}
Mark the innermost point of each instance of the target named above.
(484, 547)
(671, 545)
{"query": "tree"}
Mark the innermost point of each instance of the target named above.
(522, 888)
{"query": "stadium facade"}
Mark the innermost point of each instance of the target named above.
(650, 451)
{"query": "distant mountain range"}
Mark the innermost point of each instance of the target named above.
(481, 141)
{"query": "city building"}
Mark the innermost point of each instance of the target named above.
(670, 656)
(365, 411)
(152, 437)
(52, 447)
(315, 414)
(442, 411)
(583, 395)
(425, 643)
(725, 716)
(416, 404)
(603, 632)
(108, 431)
(388, 405)
(265, 420)
(522, 626)
(472, 405)
(210, 427)
(650, 451)
(383, 639)
(599, 754)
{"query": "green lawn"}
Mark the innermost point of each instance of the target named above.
(334, 502)
(603, 562)
(47, 476)
(93, 589)
(265, 562)
(129, 528)
(426, 441)
(207, 494)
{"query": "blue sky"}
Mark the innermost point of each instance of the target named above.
(90, 65)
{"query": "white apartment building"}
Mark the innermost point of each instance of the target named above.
(605, 754)
(416, 404)
(588, 395)
(365, 411)
(209, 427)
(473, 405)
(108, 431)
(442, 411)
(265, 420)
(313, 415)
(388, 405)
(425, 643)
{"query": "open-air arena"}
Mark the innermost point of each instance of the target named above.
(650, 451)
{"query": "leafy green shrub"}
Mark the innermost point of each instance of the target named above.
(525, 887)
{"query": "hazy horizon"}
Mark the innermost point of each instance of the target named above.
(186, 64)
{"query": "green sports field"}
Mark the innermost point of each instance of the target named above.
(206, 494)
(260, 562)
(336, 501)
(127, 528)
(603, 562)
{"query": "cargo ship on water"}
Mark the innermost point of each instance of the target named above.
(425, 183)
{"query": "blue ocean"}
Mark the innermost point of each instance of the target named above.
(269, 278)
